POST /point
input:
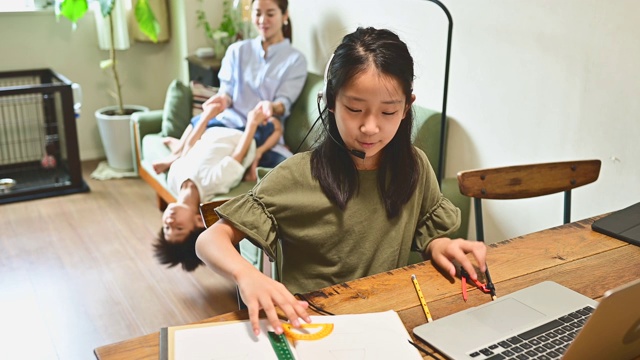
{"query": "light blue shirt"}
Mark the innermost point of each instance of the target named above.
(249, 77)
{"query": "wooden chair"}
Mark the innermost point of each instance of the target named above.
(526, 181)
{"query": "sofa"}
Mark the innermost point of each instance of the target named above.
(148, 129)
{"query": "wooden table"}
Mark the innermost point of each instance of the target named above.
(572, 255)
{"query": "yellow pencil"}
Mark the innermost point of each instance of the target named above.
(427, 313)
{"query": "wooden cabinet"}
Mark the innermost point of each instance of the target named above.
(204, 70)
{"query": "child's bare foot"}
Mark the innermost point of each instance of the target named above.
(251, 174)
(172, 143)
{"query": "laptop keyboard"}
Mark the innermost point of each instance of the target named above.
(545, 342)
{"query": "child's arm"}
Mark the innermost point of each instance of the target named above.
(220, 98)
(271, 108)
(216, 248)
(272, 140)
(254, 119)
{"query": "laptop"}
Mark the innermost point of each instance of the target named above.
(623, 224)
(543, 321)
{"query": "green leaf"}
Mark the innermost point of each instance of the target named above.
(147, 20)
(73, 9)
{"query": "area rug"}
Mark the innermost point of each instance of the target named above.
(106, 172)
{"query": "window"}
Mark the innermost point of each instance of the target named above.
(24, 5)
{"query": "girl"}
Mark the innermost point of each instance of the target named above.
(353, 206)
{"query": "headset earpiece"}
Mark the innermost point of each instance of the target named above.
(322, 94)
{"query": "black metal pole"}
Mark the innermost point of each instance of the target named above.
(443, 121)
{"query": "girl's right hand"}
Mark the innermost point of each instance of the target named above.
(260, 292)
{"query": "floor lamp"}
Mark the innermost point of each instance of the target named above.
(443, 119)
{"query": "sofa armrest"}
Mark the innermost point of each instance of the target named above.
(143, 123)
(147, 122)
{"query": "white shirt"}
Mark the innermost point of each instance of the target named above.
(248, 77)
(209, 164)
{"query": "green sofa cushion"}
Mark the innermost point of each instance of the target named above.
(177, 109)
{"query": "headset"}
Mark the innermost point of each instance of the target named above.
(321, 94)
(322, 100)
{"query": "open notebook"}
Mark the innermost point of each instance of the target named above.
(369, 336)
(544, 319)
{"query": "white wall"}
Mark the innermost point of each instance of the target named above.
(530, 81)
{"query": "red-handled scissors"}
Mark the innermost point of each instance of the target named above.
(464, 277)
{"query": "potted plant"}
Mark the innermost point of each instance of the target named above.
(113, 121)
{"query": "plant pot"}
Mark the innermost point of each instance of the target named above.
(115, 132)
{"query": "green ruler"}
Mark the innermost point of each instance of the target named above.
(280, 346)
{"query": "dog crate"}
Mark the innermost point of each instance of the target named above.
(39, 155)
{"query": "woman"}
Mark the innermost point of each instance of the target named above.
(265, 72)
(352, 207)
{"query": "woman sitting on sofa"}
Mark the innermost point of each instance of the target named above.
(265, 72)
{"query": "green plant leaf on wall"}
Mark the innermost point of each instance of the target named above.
(147, 20)
(73, 9)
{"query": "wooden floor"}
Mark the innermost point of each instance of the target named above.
(77, 272)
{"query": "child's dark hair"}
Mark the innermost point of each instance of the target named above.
(179, 252)
(331, 164)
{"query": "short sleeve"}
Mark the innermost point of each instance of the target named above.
(249, 214)
(438, 216)
(442, 220)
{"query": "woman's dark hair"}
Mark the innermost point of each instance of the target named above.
(331, 164)
(286, 28)
(179, 252)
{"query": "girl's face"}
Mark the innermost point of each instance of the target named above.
(368, 111)
(178, 221)
(268, 19)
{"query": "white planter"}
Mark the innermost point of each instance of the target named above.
(115, 132)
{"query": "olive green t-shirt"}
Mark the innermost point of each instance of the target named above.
(322, 245)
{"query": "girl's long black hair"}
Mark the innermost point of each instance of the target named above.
(331, 164)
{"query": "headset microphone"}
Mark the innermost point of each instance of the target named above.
(357, 153)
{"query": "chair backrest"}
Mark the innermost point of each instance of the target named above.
(526, 181)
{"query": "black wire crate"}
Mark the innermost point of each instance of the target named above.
(39, 155)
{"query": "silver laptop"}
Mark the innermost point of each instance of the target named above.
(547, 321)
